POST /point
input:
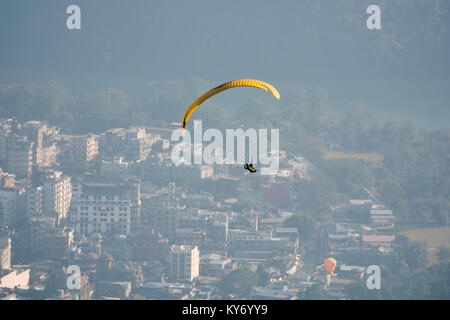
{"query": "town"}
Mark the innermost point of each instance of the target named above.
(139, 227)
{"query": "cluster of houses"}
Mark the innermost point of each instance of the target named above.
(136, 226)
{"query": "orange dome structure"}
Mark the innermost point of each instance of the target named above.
(330, 265)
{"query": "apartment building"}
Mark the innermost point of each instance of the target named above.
(184, 262)
(19, 156)
(102, 207)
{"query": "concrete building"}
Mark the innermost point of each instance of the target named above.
(85, 147)
(134, 144)
(274, 294)
(381, 215)
(105, 207)
(58, 242)
(139, 143)
(34, 199)
(217, 227)
(46, 240)
(206, 171)
(56, 195)
(8, 207)
(47, 156)
(18, 278)
(86, 288)
(39, 228)
(184, 263)
(277, 195)
(45, 148)
(257, 246)
(7, 180)
(191, 236)
(213, 265)
(19, 156)
(35, 131)
(114, 166)
(163, 219)
(113, 289)
(5, 253)
(6, 126)
(150, 246)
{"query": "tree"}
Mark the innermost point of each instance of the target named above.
(263, 276)
(316, 292)
(318, 195)
(444, 254)
(414, 254)
(71, 165)
(431, 283)
(240, 282)
(360, 291)
(245, 203)
(306, 225)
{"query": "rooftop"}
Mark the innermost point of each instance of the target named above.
(377, 238)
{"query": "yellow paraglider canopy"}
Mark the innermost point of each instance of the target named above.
(225, 86)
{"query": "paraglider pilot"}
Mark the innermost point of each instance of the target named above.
(250, 167)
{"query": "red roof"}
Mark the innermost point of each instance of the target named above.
(341, 281)
(377, 238)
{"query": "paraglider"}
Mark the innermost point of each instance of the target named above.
(225, 86)
(330, 265)
(250, 167)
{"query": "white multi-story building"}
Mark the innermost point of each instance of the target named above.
(184, 262)
(5, 129)
(257, 245)
(34, 200)
(48, 155)
(57, 194)
(85, 146)
(18, 278)
(52, 198)
(101, 208)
